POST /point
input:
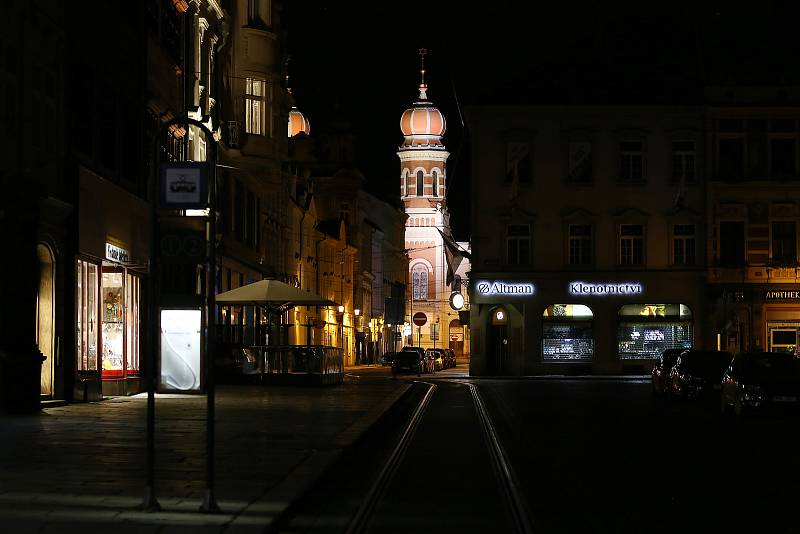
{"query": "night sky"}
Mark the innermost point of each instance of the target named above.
(359, 60)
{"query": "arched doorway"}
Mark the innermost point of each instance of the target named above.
(497, 342)
(456, 330)
(45, 315)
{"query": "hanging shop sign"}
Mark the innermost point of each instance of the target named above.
(782, 295)
(492, 288)
(456, 300)
(606, 288)
(183, 186)
(117, 254)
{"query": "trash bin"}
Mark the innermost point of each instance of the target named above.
(20, 376)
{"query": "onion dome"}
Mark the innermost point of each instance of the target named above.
(423, 125)
(298, 123)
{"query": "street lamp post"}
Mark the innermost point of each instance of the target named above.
(150, 503)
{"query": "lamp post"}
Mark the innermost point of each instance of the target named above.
(150, 503)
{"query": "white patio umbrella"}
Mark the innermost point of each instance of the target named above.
(274, 295)
(271, 293)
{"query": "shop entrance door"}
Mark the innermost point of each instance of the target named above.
(113, 325)
(498, 349)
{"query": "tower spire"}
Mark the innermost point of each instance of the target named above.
(423, 88)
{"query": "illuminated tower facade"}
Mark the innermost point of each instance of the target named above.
(423, 183)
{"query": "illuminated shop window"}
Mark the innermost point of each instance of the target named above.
(646, 330)
(683, 244)
(87, 324)
(567, 333)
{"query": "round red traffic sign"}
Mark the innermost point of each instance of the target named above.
(420, 319)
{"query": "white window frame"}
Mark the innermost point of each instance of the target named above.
(578, 240)
(632, 240)
(255, 106)
(680, 161)
(626, 159)
(684, 243)
(516, 241)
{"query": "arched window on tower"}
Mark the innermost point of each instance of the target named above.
(420, 183)
(419, 282)
(406, 183)
(435, 184)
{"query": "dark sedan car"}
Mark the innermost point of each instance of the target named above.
(698, 373)
(409, 361)
(757, 380)
(660, 372)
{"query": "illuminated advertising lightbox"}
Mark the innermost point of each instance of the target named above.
(180, 349)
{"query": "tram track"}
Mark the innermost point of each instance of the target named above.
(506, 478)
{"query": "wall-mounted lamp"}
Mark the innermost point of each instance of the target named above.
(341, 309)
(357, 312)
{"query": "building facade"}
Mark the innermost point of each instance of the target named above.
(587, 237)
(753, 209)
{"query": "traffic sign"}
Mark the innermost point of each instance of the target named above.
(420, 319)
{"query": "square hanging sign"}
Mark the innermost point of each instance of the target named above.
(183, 186)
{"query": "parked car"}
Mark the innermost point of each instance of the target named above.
(437, 356)
(410, 361)
(660, 372)
(758, 380)
(451, 357)
(387, 358)
(698, 373)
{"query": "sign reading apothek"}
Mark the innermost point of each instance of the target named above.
(493, 288)
(605, 288)
(782, 295)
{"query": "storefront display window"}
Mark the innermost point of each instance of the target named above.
(567, 332)
(113, 326)
(646, 330)
(107, 319)
(132, 292)
(86, 320)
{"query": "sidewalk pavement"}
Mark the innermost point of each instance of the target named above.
(80, 468)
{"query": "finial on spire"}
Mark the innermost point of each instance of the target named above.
(422, 87)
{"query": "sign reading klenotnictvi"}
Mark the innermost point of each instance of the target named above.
(506, 289)
(607, 288)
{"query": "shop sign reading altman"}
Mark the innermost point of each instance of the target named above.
(615, 288)
(507, 289)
